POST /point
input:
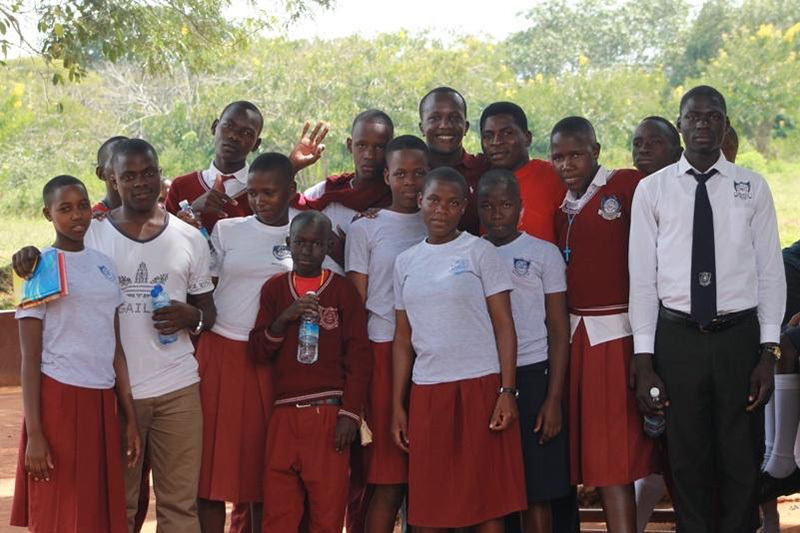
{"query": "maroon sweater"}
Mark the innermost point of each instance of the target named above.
(597, 273)
(345, 360)
(190, 187)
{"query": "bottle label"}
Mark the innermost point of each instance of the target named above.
(309, 331)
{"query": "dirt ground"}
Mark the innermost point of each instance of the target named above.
(10, 425)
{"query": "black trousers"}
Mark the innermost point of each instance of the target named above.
(715, 447)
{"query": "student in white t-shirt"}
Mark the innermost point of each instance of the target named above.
(371, 248)
(237, 393)
(455, 328)
(539, 306)
(149, 246)
(70, 473)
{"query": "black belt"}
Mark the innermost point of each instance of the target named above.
(310, 403)
(719, 323)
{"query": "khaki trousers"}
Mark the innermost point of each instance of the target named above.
(171, 429)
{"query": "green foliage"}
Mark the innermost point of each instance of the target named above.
(160, 36)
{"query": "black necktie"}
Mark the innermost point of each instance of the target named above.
(704, 272)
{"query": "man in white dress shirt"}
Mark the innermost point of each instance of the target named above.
(706, 302)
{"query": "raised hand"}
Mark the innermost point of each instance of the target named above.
(309, 147)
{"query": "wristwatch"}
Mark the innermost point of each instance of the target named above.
(509, 390)
(773, 349)
(199, 329)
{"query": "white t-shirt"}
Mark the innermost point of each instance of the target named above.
(537, 268)
(244, 254)
(443, 289)
(340, 215)
(178, 259)
(78, 340)
(371, 248)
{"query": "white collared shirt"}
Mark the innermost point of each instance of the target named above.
(601, 328)
(749, 265)
(232, 187)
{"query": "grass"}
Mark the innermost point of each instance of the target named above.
(783, 178)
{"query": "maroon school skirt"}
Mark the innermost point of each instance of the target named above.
(607, 443)
(86, 491)
(237, 397)
(387, 464)
(460, 473)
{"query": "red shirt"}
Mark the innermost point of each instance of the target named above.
(344, 366)
(542, 192)
(472, 167)
(339, 191)
(190, 187)
(100, 207)
(597, 271)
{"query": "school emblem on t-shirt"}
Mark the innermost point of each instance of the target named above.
(459, 266)
(329, 317)
(106, 272)
(610, 207)
(741, 190)
(521, 266)
(281, 252)
(704, 278)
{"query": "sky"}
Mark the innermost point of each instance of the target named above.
(439, 18)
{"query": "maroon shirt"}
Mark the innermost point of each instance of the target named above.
(472, 167)
(190, 187)
(344, 366)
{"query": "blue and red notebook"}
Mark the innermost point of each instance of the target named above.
(48, 281)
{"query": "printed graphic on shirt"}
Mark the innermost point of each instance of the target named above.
(704, 278)
(610, 207)
(741, 190)
(137, 291)
(329, 318)
(281, 252)
(106, 272)
(459, 266)
(521, 266)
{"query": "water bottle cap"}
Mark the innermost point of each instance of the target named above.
(156, 290)
(311, 292)
(655, 392)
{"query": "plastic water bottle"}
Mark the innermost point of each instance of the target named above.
(159, 299)
(308, 340)
(654, 425)
(187, 208)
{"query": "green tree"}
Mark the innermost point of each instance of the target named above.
(157, 35)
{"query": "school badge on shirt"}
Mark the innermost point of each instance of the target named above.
(610, 207)
(741, 190)
(329, 318)
(106, 272)
(459, 266)
(521, 266)
(281, 252)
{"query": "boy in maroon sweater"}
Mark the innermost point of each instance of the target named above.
(318, 405)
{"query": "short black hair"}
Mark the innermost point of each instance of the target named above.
(244, 104)
(573, 126)
(308, 217)
(133, 146)
(673, 137)
(506, 108)
(105, 151)
(272, 161)
(406, 142)
(372, 115)
(443, 90)
(498, 176)
(56, 183)
(446, 175)
(708, 92)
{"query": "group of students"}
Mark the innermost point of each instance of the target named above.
(476, 344)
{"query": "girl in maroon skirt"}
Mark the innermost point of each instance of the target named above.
(69, 473)
(608, 447)
(236, 393)
(455, 330)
